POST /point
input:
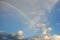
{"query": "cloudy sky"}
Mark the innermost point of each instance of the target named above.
(18, 15)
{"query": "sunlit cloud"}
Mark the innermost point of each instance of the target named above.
(56, 37)
(44, 32)
(20, 32)
(43, 25)
(49, 29)
(47, 38)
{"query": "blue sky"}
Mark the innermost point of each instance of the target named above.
(17, 15)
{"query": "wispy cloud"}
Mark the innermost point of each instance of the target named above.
(57, 24)
(22, 15)
(35, 12)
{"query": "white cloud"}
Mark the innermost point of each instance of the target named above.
(20, 32)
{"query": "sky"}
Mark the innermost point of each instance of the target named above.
(18, 15)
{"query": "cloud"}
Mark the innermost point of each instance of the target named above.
(35, 13)
(51, 4)
(5, 4)
(46, 38)
(44, 32)
(29, 5)
(49, 29)
(38, 15)
(46, 4)
(57, 24)
(35, 10)
(58, 9)
(12, 9)
(20, 32)
(56, 37)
